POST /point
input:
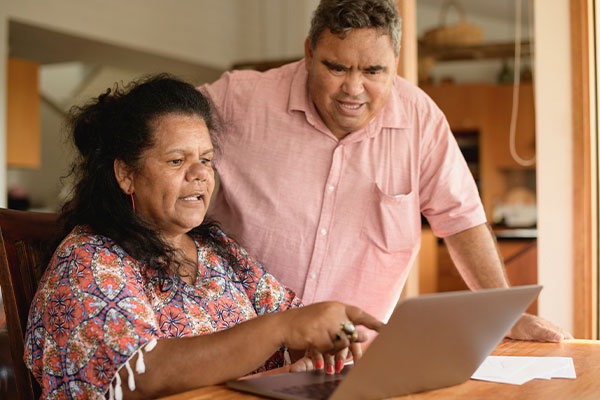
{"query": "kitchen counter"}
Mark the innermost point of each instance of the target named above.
(515, 233)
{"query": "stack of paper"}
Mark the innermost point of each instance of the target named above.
(518, 370)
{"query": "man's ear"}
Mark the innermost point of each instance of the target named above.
(124, 176)
(307, 54)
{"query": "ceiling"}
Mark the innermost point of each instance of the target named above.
(47, 46)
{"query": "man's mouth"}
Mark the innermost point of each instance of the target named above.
(351, 106)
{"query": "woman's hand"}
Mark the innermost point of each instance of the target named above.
(327, 332)
(330, 363)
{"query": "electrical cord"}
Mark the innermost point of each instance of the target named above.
(516, 85)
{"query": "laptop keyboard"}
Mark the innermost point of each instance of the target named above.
(319, 390)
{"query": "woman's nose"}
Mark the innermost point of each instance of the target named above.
(198, 171)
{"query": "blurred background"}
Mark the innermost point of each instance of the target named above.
(64, 52)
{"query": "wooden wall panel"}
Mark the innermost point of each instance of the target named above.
(407, 68)
(585, 201)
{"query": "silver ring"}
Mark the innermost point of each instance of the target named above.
(350, 330)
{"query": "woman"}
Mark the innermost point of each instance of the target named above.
(140, 282)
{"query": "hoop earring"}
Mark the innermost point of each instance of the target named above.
(132, 202)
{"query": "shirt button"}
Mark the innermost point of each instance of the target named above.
(330, 188)
(313, 275)
(323, 231)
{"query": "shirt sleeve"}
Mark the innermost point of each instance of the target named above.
(449, 197)
(217, 93)
(264, 291)
(88, 318)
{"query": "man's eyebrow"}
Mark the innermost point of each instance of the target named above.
(333, 64)
(374, 68)
(336, 65)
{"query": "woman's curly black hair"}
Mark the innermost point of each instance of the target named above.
(118, 125)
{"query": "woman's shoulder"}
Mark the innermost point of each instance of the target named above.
(83, 235)
(83, 243)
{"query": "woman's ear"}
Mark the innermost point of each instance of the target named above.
(124, 176)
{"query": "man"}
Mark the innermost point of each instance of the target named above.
(328, 163)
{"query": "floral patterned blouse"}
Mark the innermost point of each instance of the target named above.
(96, 307)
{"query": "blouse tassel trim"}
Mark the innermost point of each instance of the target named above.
(116, 392)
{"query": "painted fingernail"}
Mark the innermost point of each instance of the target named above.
(330, 369)
(319, 364)
(339, 364)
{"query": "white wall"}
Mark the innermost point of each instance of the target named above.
(207, 32)
(215, 34)
(554, 160)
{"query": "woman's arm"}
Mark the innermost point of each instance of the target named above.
(177, 365)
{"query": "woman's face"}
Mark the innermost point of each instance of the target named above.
(173, 187)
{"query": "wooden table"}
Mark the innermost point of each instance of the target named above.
(585, 353)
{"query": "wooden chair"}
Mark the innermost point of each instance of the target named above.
(23, 237)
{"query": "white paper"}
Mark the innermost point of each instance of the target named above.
(518, 370)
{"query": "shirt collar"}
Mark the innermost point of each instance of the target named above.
(393, 115)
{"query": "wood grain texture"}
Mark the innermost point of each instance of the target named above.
(585, 354)
(408, 65)
(22, 246)
(585, 227)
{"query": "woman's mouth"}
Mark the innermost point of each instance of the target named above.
(192, 198)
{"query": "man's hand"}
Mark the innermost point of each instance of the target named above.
(531, 327)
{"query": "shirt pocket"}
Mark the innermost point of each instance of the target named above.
(392, 222)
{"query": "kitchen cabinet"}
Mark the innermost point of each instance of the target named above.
(23, 147)
(520, 260)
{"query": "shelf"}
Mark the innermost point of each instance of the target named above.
(477, 52)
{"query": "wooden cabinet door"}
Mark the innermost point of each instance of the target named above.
(520, 258)
(497, 128)
(23, 148)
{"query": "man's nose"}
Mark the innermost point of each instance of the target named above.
(353, 85)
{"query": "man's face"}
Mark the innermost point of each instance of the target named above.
(350, 79)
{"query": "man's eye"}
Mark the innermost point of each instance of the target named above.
(178, 161)
(205, 161)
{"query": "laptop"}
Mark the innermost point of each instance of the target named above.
(430, 342)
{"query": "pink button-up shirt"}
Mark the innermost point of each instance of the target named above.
(335, 219)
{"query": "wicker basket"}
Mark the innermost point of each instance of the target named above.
(462, 33)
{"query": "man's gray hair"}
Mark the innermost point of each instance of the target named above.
(341, 16)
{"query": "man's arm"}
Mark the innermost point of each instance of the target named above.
(476, 256)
